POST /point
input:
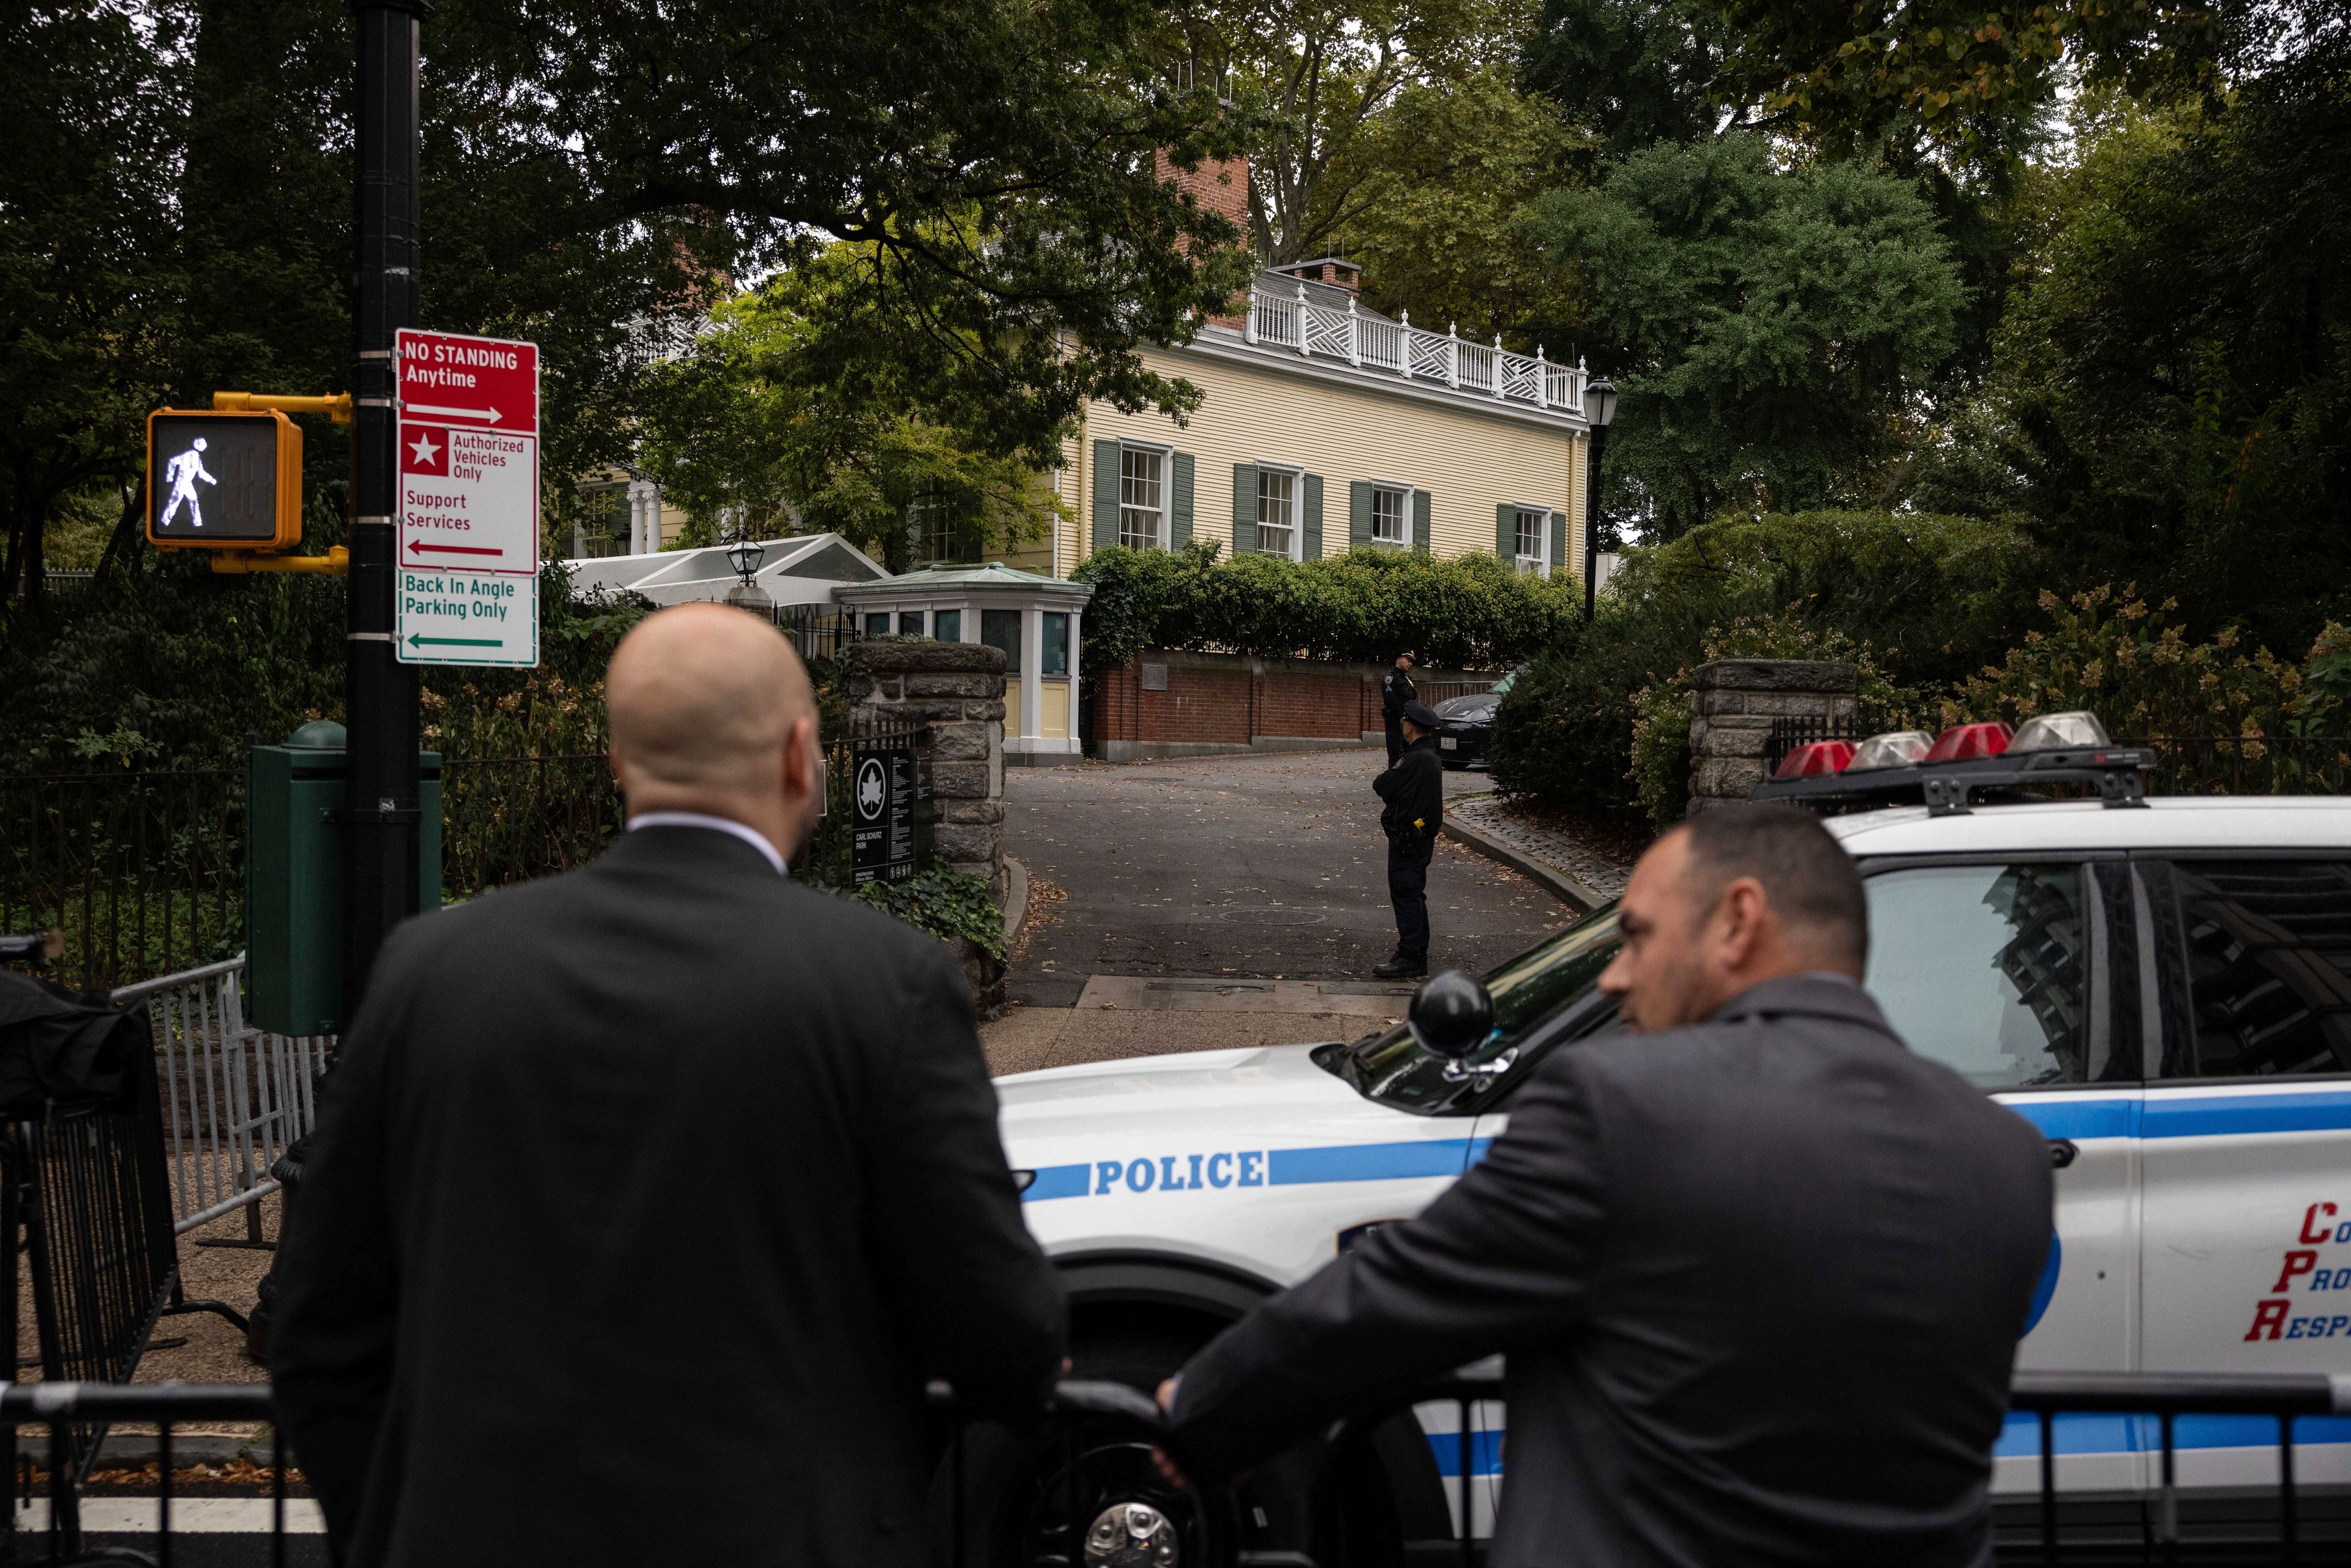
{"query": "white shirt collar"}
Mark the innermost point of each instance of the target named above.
(752, 836)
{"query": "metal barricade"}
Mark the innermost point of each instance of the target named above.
(234, 1097)
(1084, 1422)
(2143, 1527)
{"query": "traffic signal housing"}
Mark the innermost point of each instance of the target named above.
(222, 479)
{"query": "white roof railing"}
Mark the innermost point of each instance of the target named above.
(1278, 320)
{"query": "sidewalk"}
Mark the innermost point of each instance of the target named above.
(1595, 873)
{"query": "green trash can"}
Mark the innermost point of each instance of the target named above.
(294, 853)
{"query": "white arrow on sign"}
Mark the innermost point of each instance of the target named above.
(489, 414)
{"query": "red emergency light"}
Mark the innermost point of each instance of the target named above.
(1816, 759)
(1969, 742)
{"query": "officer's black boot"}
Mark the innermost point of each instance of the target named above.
(1404, 966)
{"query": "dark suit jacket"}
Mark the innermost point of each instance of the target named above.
(645, 1200)
(1760, 1283)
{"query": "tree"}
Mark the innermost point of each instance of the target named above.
(1001, 159)
(89, 291)
(1970, 74)
(1630, 72)
(1320, 73)
(1446, 177)
(1765, 326)
(2170, 398)
(760, 430)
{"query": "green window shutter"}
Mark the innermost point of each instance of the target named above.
(1420, 521)
(1244, 507)
(1312, 548)
(1359, 514)
(1179, 510)
(1559, 558)
(1105, 493)
(1506, 531)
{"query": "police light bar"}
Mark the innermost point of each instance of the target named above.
(1811, 760)
(1894, 748)
(1946, 774)
(1965, 742)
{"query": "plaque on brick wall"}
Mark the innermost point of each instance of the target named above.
(1155, 677)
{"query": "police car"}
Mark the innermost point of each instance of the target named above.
(2162, 987)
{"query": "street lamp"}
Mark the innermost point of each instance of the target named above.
(745, 555)
(1599, 408)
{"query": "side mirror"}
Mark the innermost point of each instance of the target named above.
(1452, 1014)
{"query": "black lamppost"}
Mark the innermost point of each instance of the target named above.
(745, 555)
(1599, 408)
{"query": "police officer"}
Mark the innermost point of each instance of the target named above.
(1396, 690)
(1414, 788)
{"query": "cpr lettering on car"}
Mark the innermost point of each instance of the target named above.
(2273, 1317)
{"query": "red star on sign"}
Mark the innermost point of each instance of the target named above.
(424, 450)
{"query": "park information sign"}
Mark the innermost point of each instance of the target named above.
(468, 500)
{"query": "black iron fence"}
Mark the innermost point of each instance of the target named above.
(510, 819)
(2185, 765)
(142, 870)
(1080, 1485)
(1060, 1491)
(2059, 1522)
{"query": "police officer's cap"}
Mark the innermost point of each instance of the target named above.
(1421, 713)
(1408, 653)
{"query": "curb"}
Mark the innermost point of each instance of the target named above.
(1556, 882)
(1015, 900)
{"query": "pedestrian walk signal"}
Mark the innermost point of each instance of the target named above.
(220, 480)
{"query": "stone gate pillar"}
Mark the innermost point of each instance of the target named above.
(1732, 715)
(957, 689)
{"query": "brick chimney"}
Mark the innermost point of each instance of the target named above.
(1220, 186)
(1330, 270)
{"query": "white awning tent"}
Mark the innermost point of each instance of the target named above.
(804, 570)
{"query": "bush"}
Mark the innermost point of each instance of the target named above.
(1920, 599)
(945, 903)
(1471, 611)
(179, 664)
(2130, 664)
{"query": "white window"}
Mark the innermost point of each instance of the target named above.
(1534, 546)
(933, 531)
(1277, 511)
(1390, 515)
(1141, 498)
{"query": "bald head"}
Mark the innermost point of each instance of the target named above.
(712, 712)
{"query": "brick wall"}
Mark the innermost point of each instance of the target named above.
(1230, 702)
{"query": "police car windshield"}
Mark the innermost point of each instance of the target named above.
(1529, 991)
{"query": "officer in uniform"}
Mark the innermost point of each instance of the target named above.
(1414, 788)
(1396, 690)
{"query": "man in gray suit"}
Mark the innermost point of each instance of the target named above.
(646, 1198)
(1758, 1270)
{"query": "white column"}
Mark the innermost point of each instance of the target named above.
(1032, 655)
(1354, 339)
(1074, 687)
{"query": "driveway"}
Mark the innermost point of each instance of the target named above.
(1253, 867)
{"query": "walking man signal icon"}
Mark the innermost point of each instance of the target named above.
(182, 474)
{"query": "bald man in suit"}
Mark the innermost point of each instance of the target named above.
(646, 1198)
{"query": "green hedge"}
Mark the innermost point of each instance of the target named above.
(1468, 611)
(1921, 601)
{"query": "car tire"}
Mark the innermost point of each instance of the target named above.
(1015, 1517)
